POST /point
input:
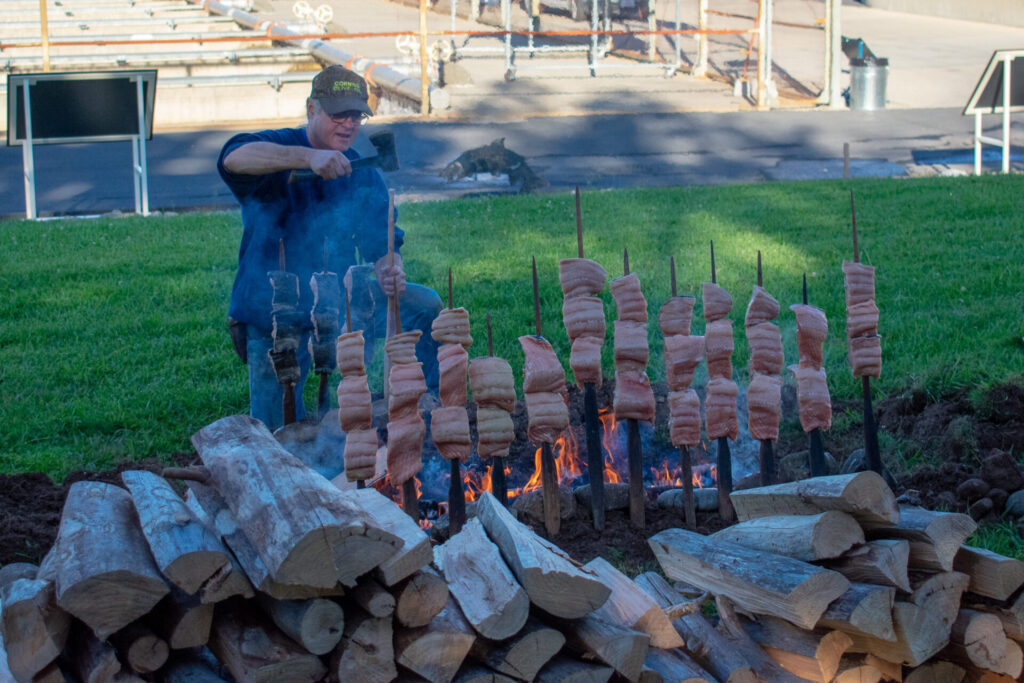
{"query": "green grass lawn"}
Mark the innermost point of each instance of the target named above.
(114, 336)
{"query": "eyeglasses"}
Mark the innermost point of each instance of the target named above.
(353, 115)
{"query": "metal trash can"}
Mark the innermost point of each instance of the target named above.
(868, 79)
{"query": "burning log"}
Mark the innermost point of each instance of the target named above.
(185, 551)
(140, 648)
(523, 655)
(883, 561)
(105, 574)
(864, 495)
(34, 629)
(802, 537)
(991, 574)
(436, 651)
(551, 580)
(482, 584)
(762, 583)
(315, 623)
(939, 593)
(320, 536)
(252, 649)
(630, 607)
(366, 652)
(811, 655)
(421, 598)
(935, 537)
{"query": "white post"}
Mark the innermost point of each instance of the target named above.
(27, 159)
(1007, 60)
(762, 49)
(139, 149)
(700, 67)
(652, 37)
(977, 142)
(835, 100)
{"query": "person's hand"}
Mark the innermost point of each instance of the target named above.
(390, 278)
(329, 164)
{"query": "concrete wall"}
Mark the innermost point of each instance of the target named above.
(1004, 12)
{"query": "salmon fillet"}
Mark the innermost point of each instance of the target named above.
(581, 277)
(675, 315)
(452, 365)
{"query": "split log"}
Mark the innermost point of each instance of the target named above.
(372, 596)
(939, 593)
(864, 609)
(414, 549)
(249, 646)
(729, 623)
(811, 655)
(93, 661)
(676, 666)
(855, 669)
(935, 537)
(864, 495)
(523, 655)
(709, 648)
(477, 673)
(983, 676)
(185, 551)
(883, 562)
(977, 638)
(316, 624)
(891, 671)
(759, 582)
(1012, 662)
(919, 636)
(34, 629)
(10, 573)
(630, 607)
(140, 648)
(992, 575)
(187, 667)
(105, 574)
(936, 671)
(182, 620)
(802, 537)
(564, 669)
(366, 652)
(421, 598)
(51, 674)
(226, 583)
(483, 585)
(620, 648)
(311, 533)
(550, 578)
(436, 651)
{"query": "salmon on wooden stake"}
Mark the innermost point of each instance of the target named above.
(451, 326)
(492, 382)
(720, 409)
(866, 356)
(811, 331)
(682, 356)
(764, 401)
(634, 398)
(581, 277)
(349, 349)
(717, 301)
(548, 416)
(401, 348)
(859, 281)
(675, 315)
(718, 347)
(355, 406)
(862, 319)
(631, 350)
(765, 343)
(449, 428)
(452, 364)
(684, 417)
(585, 360)
(583, 317)
(495, 431)
(813, 397)
(360, 454)
(762, 307)
(405, 447)
(405, 386)
(542, 372)
(629, 299)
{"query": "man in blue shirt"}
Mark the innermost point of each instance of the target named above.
(322, 223)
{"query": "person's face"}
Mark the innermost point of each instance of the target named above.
(337, 132)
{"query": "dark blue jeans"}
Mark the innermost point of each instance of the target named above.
(418, 306)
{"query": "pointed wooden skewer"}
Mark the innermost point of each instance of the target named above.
(410, 498)
(456, 494)
(591, 421)
(635, 453)
(361, 483)
(323, 403)
(725, 508)
(498, 486)
(767, 451)
(816, 454)
(288, 397)
(685, 463)
(871, 451)
(548, 468)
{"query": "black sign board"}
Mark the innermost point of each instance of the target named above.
(80, 106)
(988, 94)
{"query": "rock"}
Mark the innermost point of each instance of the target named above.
(998, 497)
(973, 489)
(1001, 470)
(751, 481)
(795, 466)
(706, 499)
(616, 496)
(857, 461)
(530, 505)
(946, 501)
(1015, 505)
(981, 509)
(910, 497)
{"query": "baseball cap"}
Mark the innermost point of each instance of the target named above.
(338, 89)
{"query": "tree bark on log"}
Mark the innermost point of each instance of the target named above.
(551, 580)
(523, 655)
(620, 648)
(182, 620)
(939, 593)
(311, 533)
(366, 652)
(710, 648)
(436, 651)
(919, 636)
(316, 623)
(414, 550)
(992, 575)
(105, 574)
(864, 495)
(421, 598)
(186, 667)
(811, 655)
(883, 562)
(184, 550)
(632, 608)
(936, 671)
(762, 583)
(93, 661)
(34, 629)
(249, 646)
(373, 597)
(803, 537)
(935, 537)
(564, 669)
(765, 666)
(865, 609)
(676, 666)
(478, 673)
(483, 585)
(140, 648)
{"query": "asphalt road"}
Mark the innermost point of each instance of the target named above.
(595, 152)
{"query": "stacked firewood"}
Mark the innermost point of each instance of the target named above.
(835, 581)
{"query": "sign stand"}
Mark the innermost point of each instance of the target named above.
(94, 106)
(997, 93)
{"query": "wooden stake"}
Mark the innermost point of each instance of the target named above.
(635, 453)
(456, 494)
(871, 450)
(672, 273)
(725, 509)
(498, 485)
(591, 421)
(685, 463)
(816, 454)
(536, 299)
(714, 276)
(767, 450)
(579, 225)
(548, 469)
(760, 274)
(288, 389)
